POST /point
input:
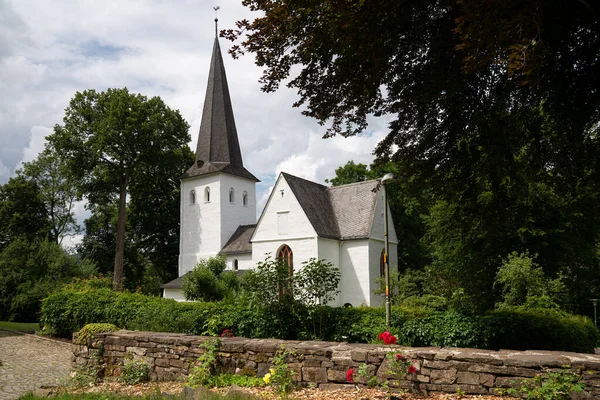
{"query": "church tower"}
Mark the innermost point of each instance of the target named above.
(217, 193)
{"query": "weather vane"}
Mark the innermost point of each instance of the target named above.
(217, 8)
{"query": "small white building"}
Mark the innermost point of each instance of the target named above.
(301, 220)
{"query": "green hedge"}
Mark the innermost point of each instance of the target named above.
(68, 310)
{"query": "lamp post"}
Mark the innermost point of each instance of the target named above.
(595, 303)
(388, 308)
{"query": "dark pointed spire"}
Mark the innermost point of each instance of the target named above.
(218, 149)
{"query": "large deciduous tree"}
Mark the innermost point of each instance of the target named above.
(496, 109)
(110, 140)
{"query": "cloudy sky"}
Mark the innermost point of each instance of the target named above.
(50, 49)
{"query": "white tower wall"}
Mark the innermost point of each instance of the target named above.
(207, 225)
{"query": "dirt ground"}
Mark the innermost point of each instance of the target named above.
(176, 388)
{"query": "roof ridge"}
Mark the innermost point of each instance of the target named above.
(352, 184)
(304, 179)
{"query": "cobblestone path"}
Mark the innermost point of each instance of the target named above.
(29, 362)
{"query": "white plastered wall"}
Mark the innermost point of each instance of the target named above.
(175, 294)
(200, 221)
(244, 261)
(270, 234)
(355, 281)
(329, 250)
(207, 225)
(234, 214)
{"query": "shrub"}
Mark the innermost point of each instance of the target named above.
(134, 371)
(86, 333)
(202, 284)
(68, 310)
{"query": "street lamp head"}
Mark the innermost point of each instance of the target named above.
(387, 177)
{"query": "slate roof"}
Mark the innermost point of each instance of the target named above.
(218, 149)
(340, 212)
(239, 242)
(174, 284)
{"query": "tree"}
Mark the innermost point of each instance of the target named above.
(154, 211)
(109, 139)
(98, 245)
(204, 281)
(351, 173)
(29, 271)
(494, 112)
(523, 281)
(22, 211)
(317, 282)
(57, 191)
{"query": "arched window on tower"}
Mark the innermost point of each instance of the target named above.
(231, 195)
(207, 195)
(192, 197)
(245, 198)
(235, 264)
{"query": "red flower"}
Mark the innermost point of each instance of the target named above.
(349, 375)
(399, 357)
(387, 338)
(412, 369)
(227, 333)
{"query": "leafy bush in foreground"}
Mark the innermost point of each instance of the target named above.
(68, 310)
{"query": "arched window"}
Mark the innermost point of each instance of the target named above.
(382, 264)
(192, 197)
(231, 195)
(287, 257)
(235, 265)
(245, 198)
(207, 195)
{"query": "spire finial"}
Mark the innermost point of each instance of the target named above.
(217, 8)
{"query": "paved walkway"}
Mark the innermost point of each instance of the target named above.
(29, 362)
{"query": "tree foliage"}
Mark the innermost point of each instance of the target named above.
(57, 191)
(22, 211)
(494, 125)
(351, 173)
(30, 271)
(205, 282)
(110, 140)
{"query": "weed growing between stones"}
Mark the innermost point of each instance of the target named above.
(280, 376)
(204, 373)
(398, 366)
(551, 385)
(206, 364)
(134, 371)
(81, 375)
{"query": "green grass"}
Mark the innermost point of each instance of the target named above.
(19, 326)
(113, 396)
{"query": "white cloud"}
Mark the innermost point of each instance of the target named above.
(49, 49)
(36, 144)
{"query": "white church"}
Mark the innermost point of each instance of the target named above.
(301, 219)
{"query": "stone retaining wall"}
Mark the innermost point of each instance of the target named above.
(324, 364)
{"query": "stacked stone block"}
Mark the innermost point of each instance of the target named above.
(324, 364)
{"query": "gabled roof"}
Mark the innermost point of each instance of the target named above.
(316, 204)
(354, 208)
(339, 212)
(218, 149)
(239, 242)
